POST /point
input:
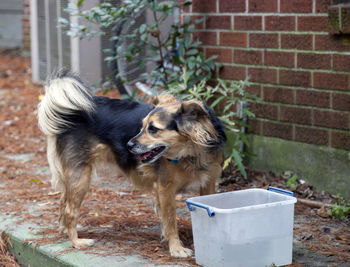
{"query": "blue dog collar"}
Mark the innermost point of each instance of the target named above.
(174, 161)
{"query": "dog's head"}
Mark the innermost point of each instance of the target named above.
(172, 129)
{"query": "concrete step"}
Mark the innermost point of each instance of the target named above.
(51, 255)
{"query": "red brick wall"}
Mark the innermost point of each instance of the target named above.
(296, 66)
(26, 25)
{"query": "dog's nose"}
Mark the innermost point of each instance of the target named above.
(130, 145)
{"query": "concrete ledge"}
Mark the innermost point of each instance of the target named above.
(49, 255)
(324, 167)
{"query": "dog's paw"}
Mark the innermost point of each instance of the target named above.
(180, 252)
(62, 230)
(82, 243)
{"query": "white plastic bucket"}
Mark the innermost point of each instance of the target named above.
(252, 227)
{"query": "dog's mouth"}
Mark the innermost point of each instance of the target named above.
(153, 154)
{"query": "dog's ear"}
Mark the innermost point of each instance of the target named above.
(192, 110)
(154, 101)
(193, 121)
(163, 99)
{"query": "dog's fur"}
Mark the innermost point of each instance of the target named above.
(162, 147)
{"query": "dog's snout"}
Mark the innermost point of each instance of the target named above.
(130, 145)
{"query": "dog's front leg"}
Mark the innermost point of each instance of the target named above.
(166, 197)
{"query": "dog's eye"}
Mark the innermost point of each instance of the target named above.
(152, 129)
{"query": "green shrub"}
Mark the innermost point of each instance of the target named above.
(340, 209)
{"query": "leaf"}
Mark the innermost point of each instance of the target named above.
(239, 162)
(143, 28)
(226, 163)
(80, 2)
(291, 180)
(165, 8)
(192, 52)
(35, 181)
(62, 21)
(217, 101)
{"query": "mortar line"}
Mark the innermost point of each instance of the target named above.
(314, 7)
(320, 52)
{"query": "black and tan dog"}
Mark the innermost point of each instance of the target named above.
(164, 147)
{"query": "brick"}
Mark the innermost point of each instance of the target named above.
(314, 61)
(265, 111)
(310, 135)
(332, 42)
(277, 130)
(280, 23)
(263, 40)
(254, 126)
(223, 55)
(296, 115)
(296, 6)
(282, 59)
(339, 18)
(185, 9)
(232, 73)
(193, 21)
(322, 6)
(333, 20)
(248, 57)
(278, 94)
(232, 6)
(253, 89)
(345, 18)
(341, 62)
(342, 2)
(262, 5)
(237, 39)
(262, 75)
(248, 23)
(204, 6)
(218, 22)
(207, 38)
(313, 98)
(295, 78)
(331, 119)
(340, 140)
(313, 23)
(341, 101)
(296, 41)
(331, 81)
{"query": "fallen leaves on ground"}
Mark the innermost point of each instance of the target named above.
(121, 220)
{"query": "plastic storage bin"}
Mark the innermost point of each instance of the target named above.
(252, 227)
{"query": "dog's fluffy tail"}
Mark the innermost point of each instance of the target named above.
(65, 95)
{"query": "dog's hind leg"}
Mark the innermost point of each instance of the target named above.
(58, 178)
(62, 218)
(77, 187)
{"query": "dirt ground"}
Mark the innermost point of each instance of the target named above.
(122, 220)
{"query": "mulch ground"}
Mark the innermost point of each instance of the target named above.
(120, 219)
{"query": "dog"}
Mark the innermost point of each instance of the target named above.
(162, 147)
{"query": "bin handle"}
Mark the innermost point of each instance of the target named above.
(281, 191)
(191, 203)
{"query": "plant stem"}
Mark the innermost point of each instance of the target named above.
(160, 44)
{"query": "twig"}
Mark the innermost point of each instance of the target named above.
(313, 203)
